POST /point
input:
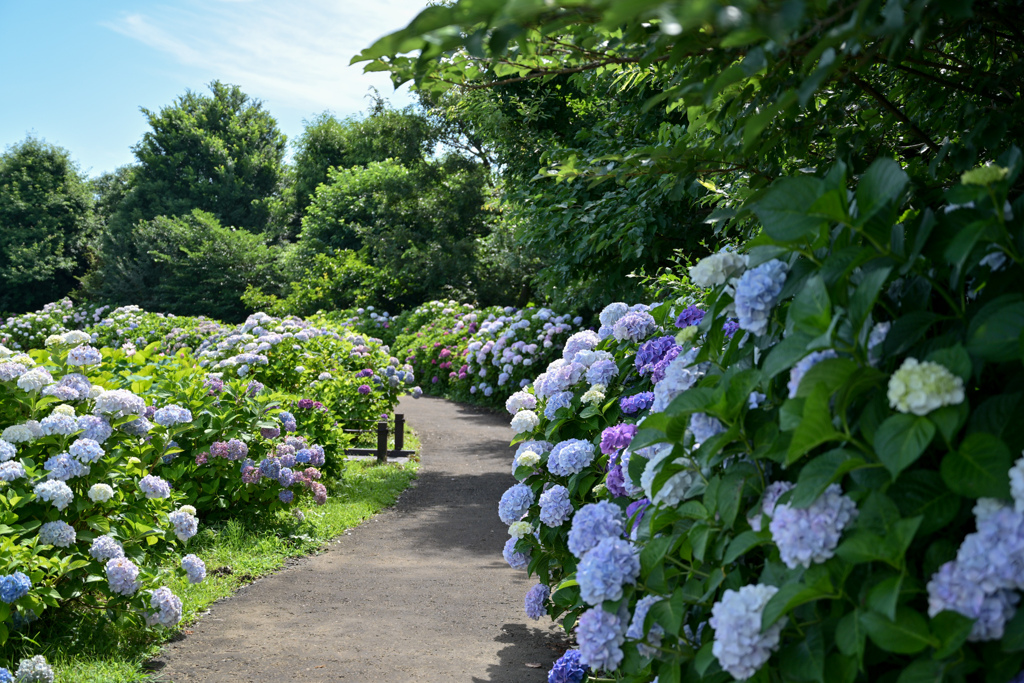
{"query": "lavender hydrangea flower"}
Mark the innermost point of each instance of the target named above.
(515, 503)
(56, 492)
(600, 635)
(10, 371)
(679, 377)
(951, 589)
(771, 496)
(58, 534)
(584, 340)
(521, 400)
(185, 524)
(635, 326)
(168, 606)
(86, 450)
(757, 292)
(14, 587)
(797, 372)
(154, 487)
(63, 467)
(704, 427)
(740, 647)
(534, 601)
(7, 451)
(593, 523)
(95, 428)
(602, 372)
(690, 316)
(119, 403)
(194, 567)
(515, 559)
(562, 399)
(138, 427)
(105, 548)
(35, 379)
(121, 575)
(678, 487)
(58, 423)
(570, 457)
(632, 405)
(636, 629)
(810, 535)
(568, 669)
(84, 355)
(606, 568)
(555, 506)
(171, 415)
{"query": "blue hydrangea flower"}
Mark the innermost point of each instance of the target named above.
(171, 415)
(757, 292)
(606, 568)
(34, 670)
(600, 635)
(121, 575)
(5, 675)
(704, 427)
(562, 399)
(570, 457)
(636, 627)
(56, 492)
(568, 669)
(84, 355)
(7, 451)
(740, 646)
(154, 486)
(105, 548)
(194, 567)
(810, 535)
(14, 587)
(63, 467)
(632, 405)
(797, 372)
(58, 423)
(95, 428)
(515, 559)
(185, 524)
(581, 341)
(593, 523)
(86, 450)
(58, 534)
(534, 601)
(555, 506)
(602, 372)
(515, 503)
(9, 471)
(635, 326)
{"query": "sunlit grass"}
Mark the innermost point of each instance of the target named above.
(85, 647)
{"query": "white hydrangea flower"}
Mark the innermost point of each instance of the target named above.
(717, 269)
(920, 387)
(519, 530)
(100, 493)
(612, 312)
(594, 395)
(527, 459)
(740, 647)
(1016, 486)
(679, 486)
(524, 421)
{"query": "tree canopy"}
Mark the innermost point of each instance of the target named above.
(46, 224)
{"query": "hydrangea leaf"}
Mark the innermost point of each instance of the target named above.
(744, 543)
(923, 494)
(923, 670)
(884, 597)
(881, 183)
(978, 469)
(782, 211)
(994, 333)
(850, 635)
(811, 310)
(907, 634)
(815, 428)
(805, 660)
(952, 629)
(1013, 635)
(901, 439)
(826, 469)
(789, 597)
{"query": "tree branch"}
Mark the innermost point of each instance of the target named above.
(894, 110)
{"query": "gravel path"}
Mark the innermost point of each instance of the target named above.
(419, 593)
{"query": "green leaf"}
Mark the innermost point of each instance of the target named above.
(831, 372)
(884, 597)
(954, 359)
(979, 469)
(816, 427)
(906, 635)
(742, 544)
(901, 439)
(924, 670)
(784, 354)
(881, 183)
(922, 494)
(864, 297)
(670, 613)
(805, 660)
(826, 469)
(811, 310)
(952, 629)
(850, 635)
(782, 210)
(994, 333)
(1013, 634)
(789, 597)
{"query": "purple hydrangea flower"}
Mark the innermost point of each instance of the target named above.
(690, 316)
(638, 508)
(730, 327)
(95, 428)
(286, 496)
(568, 669)
(585, 340)
(154, 487)
(602, 372)
(740, 646)
(652, 351)
(105, 548)
(632, 405)
(270, 432)
(171, 415)
(121, 575)
(86, 450)
(616, 438)
(634, 326)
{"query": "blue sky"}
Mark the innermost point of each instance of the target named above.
(76, 72)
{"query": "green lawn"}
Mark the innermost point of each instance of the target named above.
(86, 648)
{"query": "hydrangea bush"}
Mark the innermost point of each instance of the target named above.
(813, 472)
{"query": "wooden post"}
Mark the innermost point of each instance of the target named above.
(399, 432)
(382, 441)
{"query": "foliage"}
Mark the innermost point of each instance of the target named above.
(415, 224)
(326, 143)
(46, 225)
(191, 265)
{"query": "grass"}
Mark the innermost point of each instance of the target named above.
(87, 648)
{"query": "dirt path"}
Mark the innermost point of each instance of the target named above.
(419, 593)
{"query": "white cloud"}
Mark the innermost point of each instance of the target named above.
(291, 55)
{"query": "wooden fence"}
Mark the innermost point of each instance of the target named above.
(381, 451)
